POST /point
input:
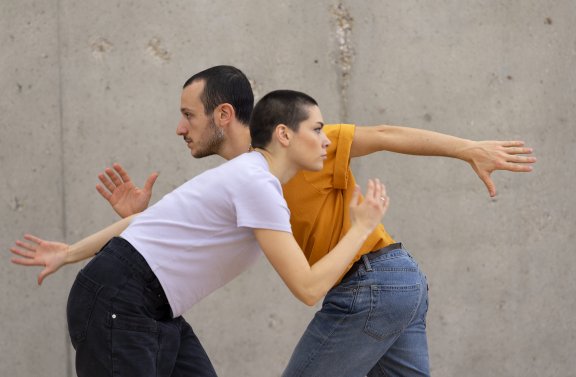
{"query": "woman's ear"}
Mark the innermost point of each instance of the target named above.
(283, 134)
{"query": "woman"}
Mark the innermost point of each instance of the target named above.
(125, 307)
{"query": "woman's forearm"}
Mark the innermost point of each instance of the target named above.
(326, 272)
(408, 140)
(309, 283)
(89, 246)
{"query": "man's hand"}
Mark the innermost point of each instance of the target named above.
(125, 198)
(38, 252)
(488, 156)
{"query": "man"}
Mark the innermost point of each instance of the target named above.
(318, 203)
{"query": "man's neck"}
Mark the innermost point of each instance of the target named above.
(237, 142)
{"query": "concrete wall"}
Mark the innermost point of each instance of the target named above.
(84, 84)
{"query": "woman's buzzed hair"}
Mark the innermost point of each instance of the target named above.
(287, 107)
(225, 84)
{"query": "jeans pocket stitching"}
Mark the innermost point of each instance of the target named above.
(89, 286)
(370, 327)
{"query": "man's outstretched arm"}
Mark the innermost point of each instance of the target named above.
(484, 156)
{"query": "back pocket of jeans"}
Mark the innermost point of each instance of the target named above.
(391, 309)
(80, 307)
(127, 322)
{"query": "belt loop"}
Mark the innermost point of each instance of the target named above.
(366, 262)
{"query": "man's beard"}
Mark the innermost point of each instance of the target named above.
(214, 140)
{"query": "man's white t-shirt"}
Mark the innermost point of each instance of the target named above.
(199, 237)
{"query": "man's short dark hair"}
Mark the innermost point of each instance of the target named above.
(286, 107)
(225, 84)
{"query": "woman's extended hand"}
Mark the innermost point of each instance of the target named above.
(38, 252)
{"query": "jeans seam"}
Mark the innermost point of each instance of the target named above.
(338, 325)
(95, 289)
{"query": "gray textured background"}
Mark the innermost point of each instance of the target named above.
(84, 84)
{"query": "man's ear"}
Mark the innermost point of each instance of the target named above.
(224, 114)
(283, 134)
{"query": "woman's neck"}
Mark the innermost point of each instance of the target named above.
(278, 164)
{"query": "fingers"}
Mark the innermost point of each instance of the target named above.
(22, 253)
(489, 184)
(113, 176)
(383, 198)
(516, 150)
(376, 192)
(106, 194)
(106, 182)
(45, 272)
(150, 181)
(512, 156)
(33, 238)
(518, 168)
(356, 196)
(25, 245)
(512, 143)
(369, 190)
(521, 159)
(26, 262)
(27, 257)
(25, 250)
(120, 170)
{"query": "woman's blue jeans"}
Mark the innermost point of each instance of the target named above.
(120, 322)
(371, 324)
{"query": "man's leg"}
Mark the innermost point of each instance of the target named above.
(192, 359)
(121, 324)
(109, 326)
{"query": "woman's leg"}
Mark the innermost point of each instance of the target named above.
(361, 319)
(408, 355)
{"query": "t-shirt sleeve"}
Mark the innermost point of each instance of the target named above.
(259, 204)
(341, 136)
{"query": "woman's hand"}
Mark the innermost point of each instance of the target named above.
(369, 212)
(38, 252)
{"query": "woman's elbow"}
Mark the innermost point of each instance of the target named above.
(309, 298)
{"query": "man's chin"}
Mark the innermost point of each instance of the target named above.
(201, 154)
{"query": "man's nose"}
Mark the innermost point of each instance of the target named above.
(181, 128)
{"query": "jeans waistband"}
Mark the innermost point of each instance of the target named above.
(123, 270)
(123, 250)
(365, 260)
